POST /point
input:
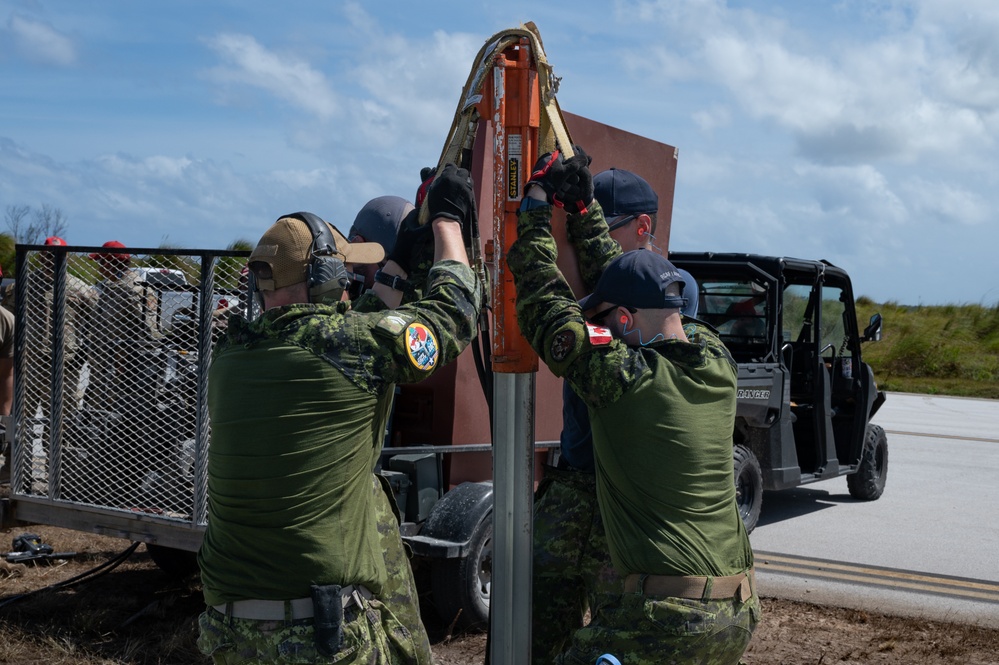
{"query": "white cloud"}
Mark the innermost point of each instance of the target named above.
(713, 117)
(156, 167)
(861, 192)
(947, 202)
(286, 77)
(925, 84)
(797, 91)
(413, 85)
(39, 42)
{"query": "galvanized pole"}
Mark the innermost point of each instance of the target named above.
(515, 110)
(513, 496)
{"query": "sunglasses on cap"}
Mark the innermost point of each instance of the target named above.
(620, 221)
(602, 314)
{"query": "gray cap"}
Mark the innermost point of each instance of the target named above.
(378, 221)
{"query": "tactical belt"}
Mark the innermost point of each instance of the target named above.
(299, 608)
(692, 587)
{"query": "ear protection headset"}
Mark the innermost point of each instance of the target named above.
(326, 275)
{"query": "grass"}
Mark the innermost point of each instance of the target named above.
(935, 350)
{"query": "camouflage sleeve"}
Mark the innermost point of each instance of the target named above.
(432, 331)
(598, 368)
(590, 237)
(700, 333)
(377, 349)
(368, 302)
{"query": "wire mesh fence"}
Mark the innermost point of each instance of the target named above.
(111, 358)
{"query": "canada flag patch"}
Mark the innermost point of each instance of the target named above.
(598, 335)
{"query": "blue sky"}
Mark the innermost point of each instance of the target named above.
(859, 131)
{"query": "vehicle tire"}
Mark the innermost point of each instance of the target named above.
(174, 562)
(748, 486)
(461, 586)
(868, 483)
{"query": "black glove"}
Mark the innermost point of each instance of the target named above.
(575, 190)
(567, 183)
(548, 170)
(450, 196)
(410, 233)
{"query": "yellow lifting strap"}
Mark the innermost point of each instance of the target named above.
(552, 131)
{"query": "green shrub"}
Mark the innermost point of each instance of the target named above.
(947, 349)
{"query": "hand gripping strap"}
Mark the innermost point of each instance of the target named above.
(553, 131)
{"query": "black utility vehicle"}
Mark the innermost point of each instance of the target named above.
(805, 396)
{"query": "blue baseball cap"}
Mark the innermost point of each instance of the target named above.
(623, 194)
(637, 279)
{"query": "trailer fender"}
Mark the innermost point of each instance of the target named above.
(454, 521)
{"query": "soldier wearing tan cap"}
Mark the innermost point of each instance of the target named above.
(293, 558)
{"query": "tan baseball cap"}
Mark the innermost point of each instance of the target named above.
(287, 248)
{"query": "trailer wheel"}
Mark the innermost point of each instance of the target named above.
(868, 483)
(748, 486)
(174, 562)
(461, 586)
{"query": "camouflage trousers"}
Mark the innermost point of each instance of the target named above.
(388, 631)
(399, 591)
(642, 630)
(371, 635)
(572, 565)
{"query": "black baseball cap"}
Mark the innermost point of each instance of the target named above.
(623, 194)
(378, 221)
(638, 279)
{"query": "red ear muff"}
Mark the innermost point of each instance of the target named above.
(624, 319)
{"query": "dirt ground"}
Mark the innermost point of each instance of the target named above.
(134, 613)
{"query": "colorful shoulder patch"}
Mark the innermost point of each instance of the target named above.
(598, 335)
(422, 346)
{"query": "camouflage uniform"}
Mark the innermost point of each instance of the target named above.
(81, 300)
(299, 401)
(664, 482)
(39, 307)
(7, 359)
(124, 354)
(572, 565)
(399, 591)
(125, 321)
(401, 625)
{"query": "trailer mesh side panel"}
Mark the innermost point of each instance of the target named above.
(113, 345)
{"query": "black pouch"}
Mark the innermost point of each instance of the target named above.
(328, 618)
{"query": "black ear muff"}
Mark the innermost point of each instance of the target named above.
(254, 299)
(327, 275)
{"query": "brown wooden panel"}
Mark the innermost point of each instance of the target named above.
(449, 408)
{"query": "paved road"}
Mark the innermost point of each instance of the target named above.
(928, 547)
